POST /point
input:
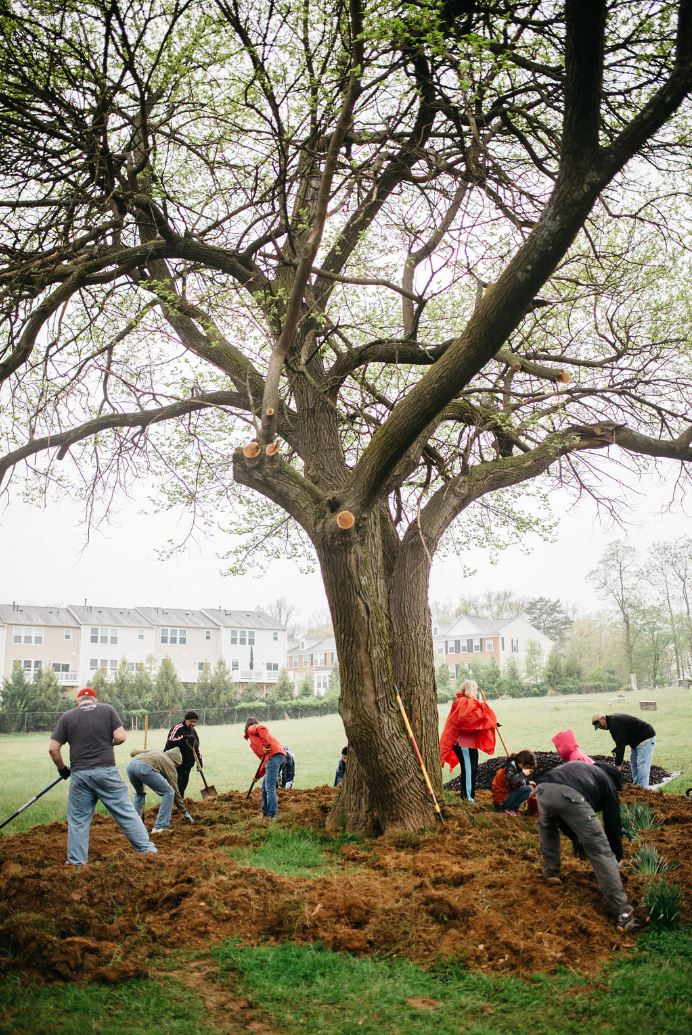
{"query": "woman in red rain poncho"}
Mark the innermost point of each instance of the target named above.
(470, 728)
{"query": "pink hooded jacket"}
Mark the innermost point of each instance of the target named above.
(566, 744)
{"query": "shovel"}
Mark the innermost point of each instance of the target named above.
(257, 774)
(207, 791)
(30, 802)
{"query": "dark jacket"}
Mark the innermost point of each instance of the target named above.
(287, 773)
(599, 784)
(627, 731)
(340, 773)
(507, 778)
(185, 738)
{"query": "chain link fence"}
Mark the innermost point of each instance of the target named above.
(13, 721)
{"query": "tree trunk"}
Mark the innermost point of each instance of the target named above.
(359, 582)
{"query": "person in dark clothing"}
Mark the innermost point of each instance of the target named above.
(629, 731)
(512, 785)
(341, 768)
(287, 773)
(569, 796)
(184, 736)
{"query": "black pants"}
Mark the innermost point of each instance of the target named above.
(183, 777)
(468, 760)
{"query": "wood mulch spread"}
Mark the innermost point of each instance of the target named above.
(470, 889)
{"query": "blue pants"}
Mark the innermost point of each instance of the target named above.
(515, 798)
(87, 786)
(640, 762)
(468, 760)
(270, 802)
(141, 774)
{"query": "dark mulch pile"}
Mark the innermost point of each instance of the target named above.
(545, 761)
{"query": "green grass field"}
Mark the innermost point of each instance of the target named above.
(316, 742)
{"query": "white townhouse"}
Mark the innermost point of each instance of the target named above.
(314, 659)
(253, 644)
(191, 639)
(469, 639)
(36, 638)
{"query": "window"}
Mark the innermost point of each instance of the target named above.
(239, 636)
(234, 665)
(275, 637)
(29, 667)
(173, 636)
(272, 666)
(207, 634)
(67, 634)
(488, 644)
(102, 634)
(476, 646)
(502, 643)
(27, 634)
(140, 634)
(515, 646)
(318, 659)
(107, 664)
(60, 666)
(440, 650)
(251, 637)
(201, 665)
(321, 683)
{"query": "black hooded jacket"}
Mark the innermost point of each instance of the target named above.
(599, 784)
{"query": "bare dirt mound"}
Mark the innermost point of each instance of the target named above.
(470, 890)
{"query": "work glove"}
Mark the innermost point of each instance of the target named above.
(188, 817)
(65, 772)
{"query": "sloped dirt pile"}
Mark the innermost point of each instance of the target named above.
(545, 761)
(470, 889)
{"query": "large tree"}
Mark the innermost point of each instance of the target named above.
(393, 259)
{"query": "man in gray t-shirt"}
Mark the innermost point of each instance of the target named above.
(92, 729)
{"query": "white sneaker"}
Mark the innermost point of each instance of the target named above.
(161, 830)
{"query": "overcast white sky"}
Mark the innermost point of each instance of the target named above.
(44, 559)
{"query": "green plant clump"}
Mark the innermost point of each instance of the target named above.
(664, 903)
(648, 861)
(637, 817)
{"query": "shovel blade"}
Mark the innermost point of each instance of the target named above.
(209, 792)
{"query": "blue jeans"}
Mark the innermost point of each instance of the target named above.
(270, 802)
(105, 784)
(640, 762)
(515, 798)
(140, 773)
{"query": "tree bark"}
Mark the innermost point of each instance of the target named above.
(384, 788)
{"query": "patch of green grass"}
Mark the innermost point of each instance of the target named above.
(135, 1007)
(230, 765)
(292, 852)
(307, 988)
(300, 989)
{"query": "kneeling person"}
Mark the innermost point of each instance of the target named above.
(158, 770)
(569, 797)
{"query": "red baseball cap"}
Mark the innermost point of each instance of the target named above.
(86, 692)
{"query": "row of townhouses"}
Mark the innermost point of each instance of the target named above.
(78, 641)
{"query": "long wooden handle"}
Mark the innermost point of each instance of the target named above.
(502, 739)
(421, 763)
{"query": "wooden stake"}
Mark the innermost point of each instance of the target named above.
(146, 730)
